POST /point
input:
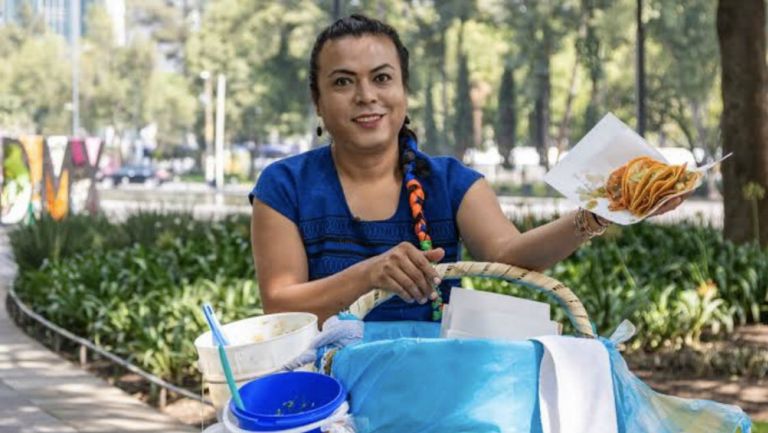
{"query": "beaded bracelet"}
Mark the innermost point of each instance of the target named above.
(584, 229)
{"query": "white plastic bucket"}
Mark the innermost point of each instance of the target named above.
(257, 346)
(215, 428)
(338, 416)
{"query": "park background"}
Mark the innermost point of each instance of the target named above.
(204, 94)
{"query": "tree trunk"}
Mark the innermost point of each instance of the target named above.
(543, 99)
(506, 125)
(705, 140)
(588, 52)
(702, 137)
(431, 138)
(463, 126)
(564, 131)
(595, 102)
(741, 34)
(640, 69)
(446, 143)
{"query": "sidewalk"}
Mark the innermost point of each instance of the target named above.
(42, 392)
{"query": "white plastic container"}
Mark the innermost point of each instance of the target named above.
(257, 346)
(338, 421)
(216, 428)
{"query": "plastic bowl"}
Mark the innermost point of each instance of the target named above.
(287, 400)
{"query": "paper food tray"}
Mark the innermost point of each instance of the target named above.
(606, 147)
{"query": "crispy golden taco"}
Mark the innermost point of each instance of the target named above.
(640, 184)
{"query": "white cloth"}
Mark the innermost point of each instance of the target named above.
(576, 387)
(336, 333)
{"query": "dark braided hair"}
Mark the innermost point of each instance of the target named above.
(413, 162)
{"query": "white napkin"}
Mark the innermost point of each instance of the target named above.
(575, 386)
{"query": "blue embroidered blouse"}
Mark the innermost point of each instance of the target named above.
(306, 189)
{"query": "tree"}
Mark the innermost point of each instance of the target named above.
(463, 126)
(431, 136)
(588, 48)
(42, 84)
(506, 124)
(285, 99)
(684, 74)
(34, 84)
(742, 39)
(172, 108)
(542, 28)
(136, 63)
(448, 12)
(426, 44)
(165, 23)
(262, 47)
(104, 92)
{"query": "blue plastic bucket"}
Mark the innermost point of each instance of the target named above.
(288, 400)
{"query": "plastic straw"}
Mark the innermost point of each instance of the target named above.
(213, 323)
(230, 379)
(221, 341)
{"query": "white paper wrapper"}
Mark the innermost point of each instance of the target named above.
(606, 147)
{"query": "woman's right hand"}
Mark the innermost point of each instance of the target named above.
(407, 272)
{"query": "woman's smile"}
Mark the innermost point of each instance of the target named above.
(368, 121)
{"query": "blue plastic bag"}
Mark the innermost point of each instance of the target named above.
(402, 379)
(437, 385)
(641, 409)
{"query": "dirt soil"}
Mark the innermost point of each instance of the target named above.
(751, 394)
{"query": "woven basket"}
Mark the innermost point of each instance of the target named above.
(532, 279)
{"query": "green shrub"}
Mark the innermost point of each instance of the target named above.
(136, 287)
(47, 239)
(760, 427)
(143, 302)
(674, 282)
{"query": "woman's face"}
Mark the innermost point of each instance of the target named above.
(362, 99)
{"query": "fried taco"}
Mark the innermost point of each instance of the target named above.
(640, 184)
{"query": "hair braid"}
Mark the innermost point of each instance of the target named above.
(416, 199)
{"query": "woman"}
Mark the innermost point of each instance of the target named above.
(334, 223)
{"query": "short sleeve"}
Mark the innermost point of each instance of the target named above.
(460, 178)
(276, 187)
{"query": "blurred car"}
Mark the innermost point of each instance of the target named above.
(276, 150)
(138, 174)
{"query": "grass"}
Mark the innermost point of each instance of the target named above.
(760, 427)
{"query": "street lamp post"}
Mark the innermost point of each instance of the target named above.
(208, 160)
(221, 88)
(74, 16)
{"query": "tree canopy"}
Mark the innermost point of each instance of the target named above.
(568, 61)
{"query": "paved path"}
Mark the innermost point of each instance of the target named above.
(42, 392)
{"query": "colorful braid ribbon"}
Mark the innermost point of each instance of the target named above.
(416, 200)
